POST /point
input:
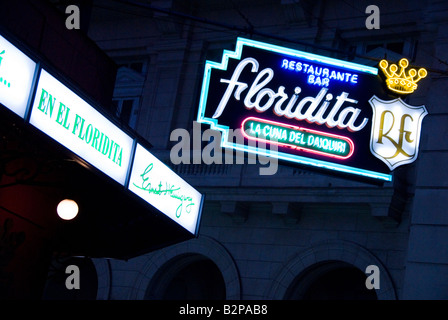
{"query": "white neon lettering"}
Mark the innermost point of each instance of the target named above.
(319, 75)
(233, 82)
(308, 108)
(306, 66)
(291, 65)
(255, 88)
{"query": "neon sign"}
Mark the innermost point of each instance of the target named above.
(317, 109)
(262, 99)
(299, 138)
(399, 81)
(319, 75)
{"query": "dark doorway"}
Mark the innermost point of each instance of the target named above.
(188, 278)
(56, 286)
(331, 281)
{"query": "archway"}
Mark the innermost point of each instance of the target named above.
(187, 277)
(332, 280)
(180, 259)
(322, 257)
(56, 286)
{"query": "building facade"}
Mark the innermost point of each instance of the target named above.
(300, 233)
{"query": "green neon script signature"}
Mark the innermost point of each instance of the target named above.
(3, 81)
(165, 189)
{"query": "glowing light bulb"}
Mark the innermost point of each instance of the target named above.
(67, 209)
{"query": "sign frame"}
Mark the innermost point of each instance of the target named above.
(156, 188)
(25, 70)
(214, 123)
(56, 116)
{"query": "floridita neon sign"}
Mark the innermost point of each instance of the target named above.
(320, 111)
(261, 98)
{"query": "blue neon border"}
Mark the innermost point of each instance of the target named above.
(227, 54)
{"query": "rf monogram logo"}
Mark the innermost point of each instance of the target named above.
(395, 131)
(402, 133)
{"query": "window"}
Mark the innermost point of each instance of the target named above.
(128, 90)
(396, 47)
(393, 50)
(137, 66)
(126, 109)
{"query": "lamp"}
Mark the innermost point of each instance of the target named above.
(67, 209)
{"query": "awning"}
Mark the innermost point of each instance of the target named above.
(57, 144)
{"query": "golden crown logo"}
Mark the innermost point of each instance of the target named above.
(397, 78)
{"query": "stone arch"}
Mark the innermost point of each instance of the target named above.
(198, 247)
(190, 276)
(103, 271)
(329, 251)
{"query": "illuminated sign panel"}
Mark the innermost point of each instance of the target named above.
(157, 184)
(16, 78)
(71, 121)
(317, 109)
